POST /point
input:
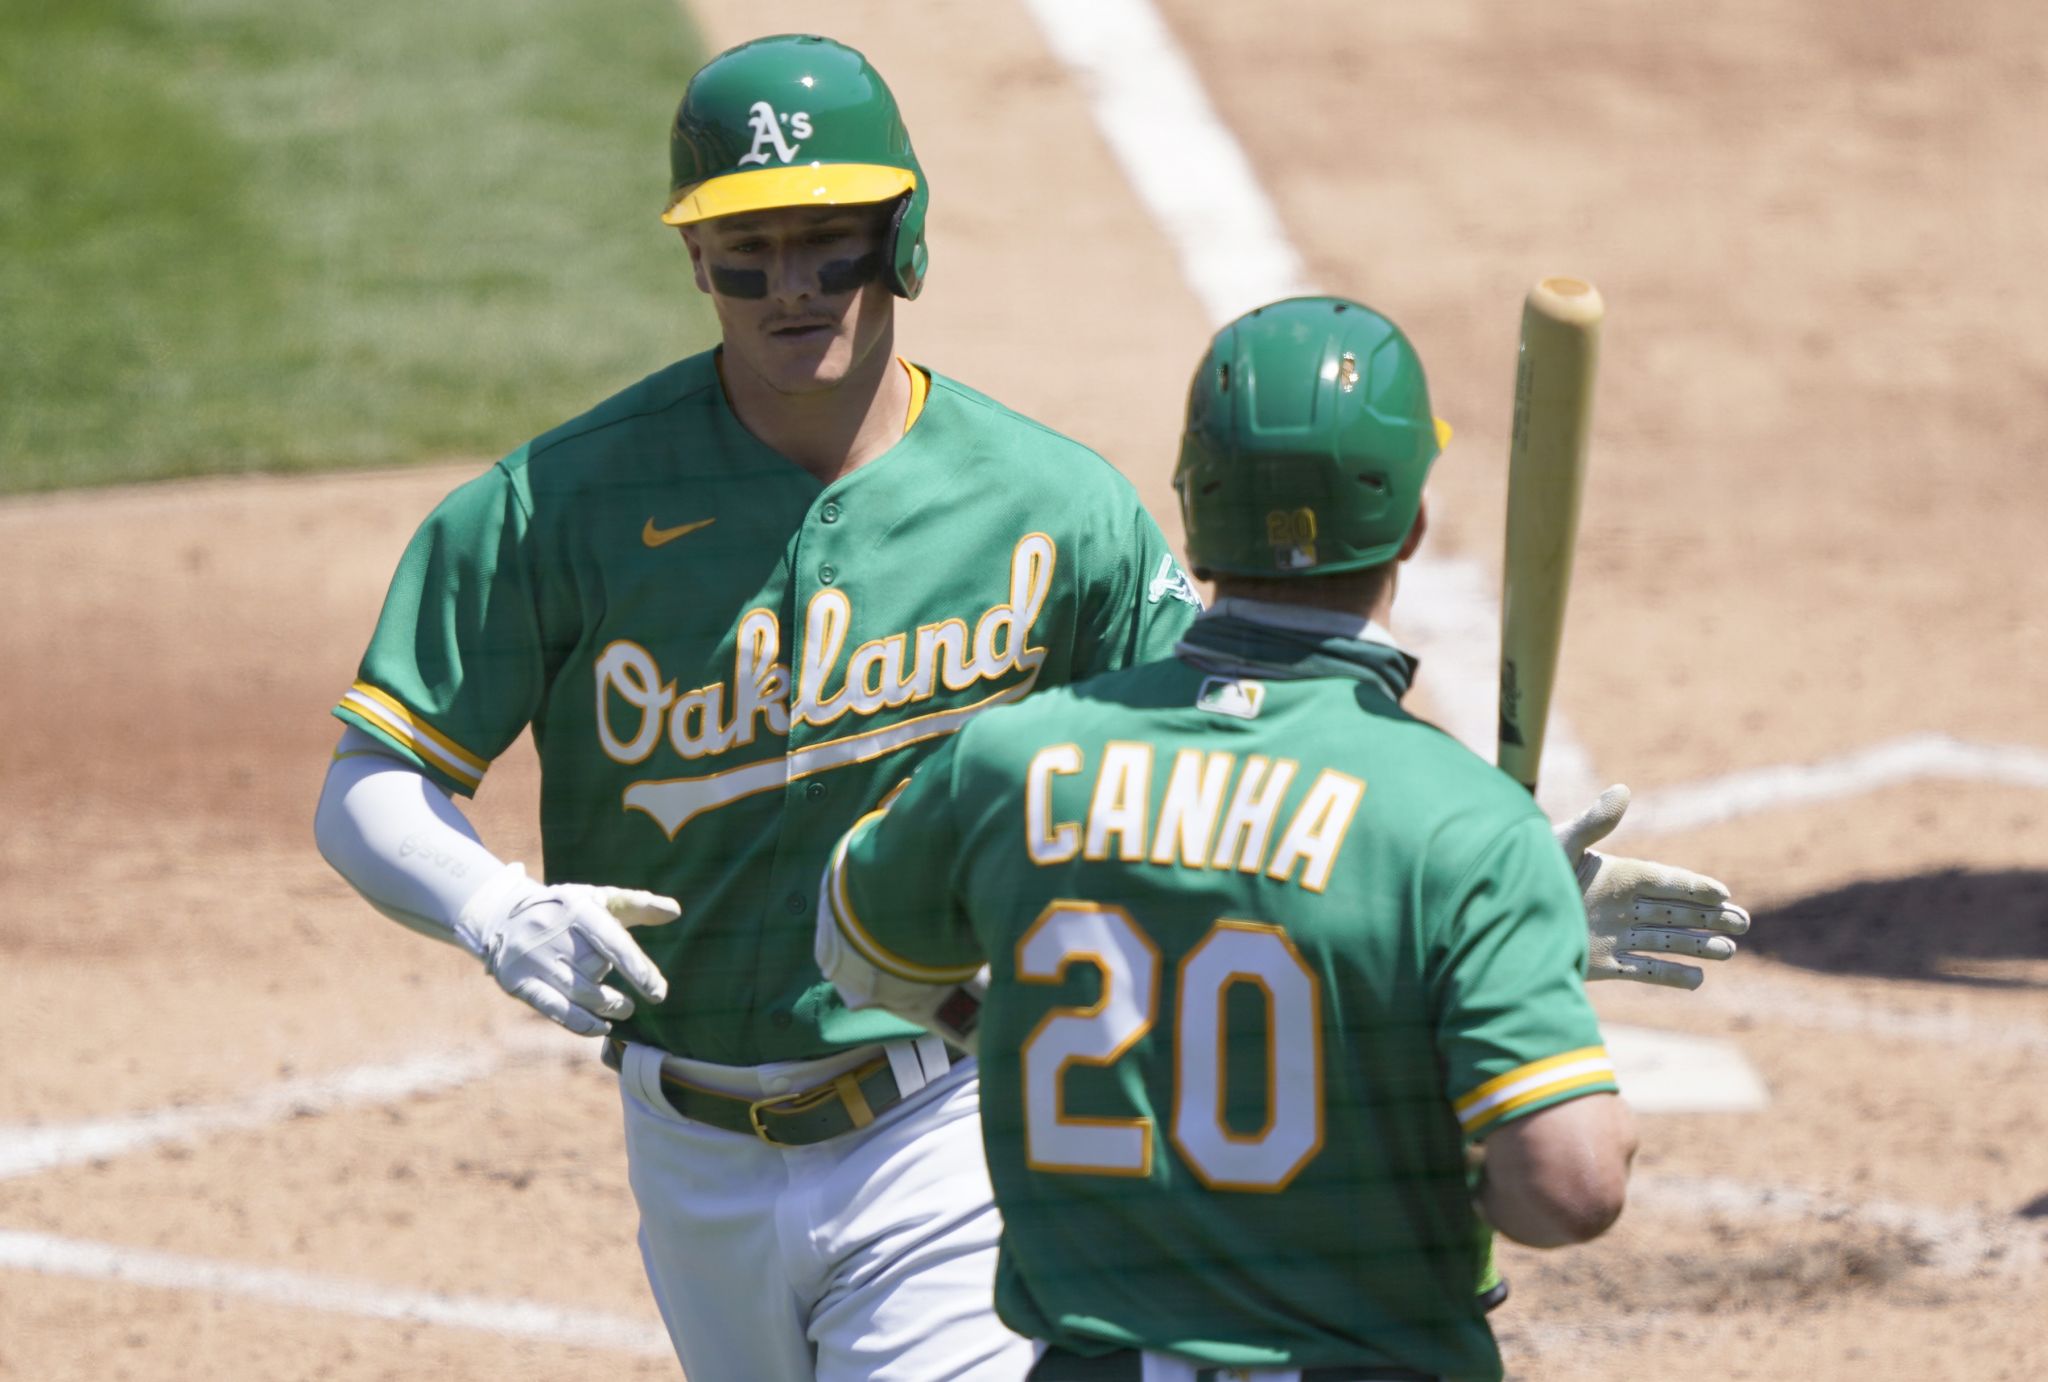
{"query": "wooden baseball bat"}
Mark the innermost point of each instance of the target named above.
(1560, 351)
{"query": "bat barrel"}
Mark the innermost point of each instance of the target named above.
(1571, 301)
(1546, 472)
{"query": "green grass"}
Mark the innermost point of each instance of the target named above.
(246, 235)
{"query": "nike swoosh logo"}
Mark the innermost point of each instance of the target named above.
(655, 537)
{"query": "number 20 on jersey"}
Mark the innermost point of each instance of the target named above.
(1232, 952)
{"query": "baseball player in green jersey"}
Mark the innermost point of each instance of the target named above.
(1264, 954)
(736, 604)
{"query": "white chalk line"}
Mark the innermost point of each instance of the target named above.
(1202, 192)
(1195, 179)
(1957, 1241)
(1913, 758)
(1450, 618)
(27, 1150)
(1179, 157)
(1952, 1241)
(519, 1319)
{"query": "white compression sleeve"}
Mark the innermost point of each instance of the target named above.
(398, 839)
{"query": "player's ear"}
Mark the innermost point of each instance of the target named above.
(696, 259)
(1421, 526)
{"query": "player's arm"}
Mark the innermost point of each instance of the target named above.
(399, 840)
(1526, 1072)
(1560, 1175)
(891, 931)
(451, 677)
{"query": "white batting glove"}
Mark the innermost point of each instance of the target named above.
(551, 947)
(1634, 905)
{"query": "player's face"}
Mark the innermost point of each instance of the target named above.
(799, 292)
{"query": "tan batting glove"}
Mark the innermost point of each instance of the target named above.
(1634, 905)
(951, 1009)
(551, 947)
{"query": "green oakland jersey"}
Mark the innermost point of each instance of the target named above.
(1264, 954)
(724, 663)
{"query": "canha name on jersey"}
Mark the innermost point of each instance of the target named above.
(1217, 812)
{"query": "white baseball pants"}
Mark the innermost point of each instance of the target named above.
(868, 1256)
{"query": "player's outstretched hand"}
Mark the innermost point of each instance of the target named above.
(552, 947)
(1634, 905)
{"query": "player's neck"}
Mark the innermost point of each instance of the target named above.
(833, 431)
(1369, 600)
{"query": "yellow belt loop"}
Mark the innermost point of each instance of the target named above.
(855, 1101)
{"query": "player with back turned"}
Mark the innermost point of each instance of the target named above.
(1264, 954)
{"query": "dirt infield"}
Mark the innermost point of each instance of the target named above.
(1813, 529)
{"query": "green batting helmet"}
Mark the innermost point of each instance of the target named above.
(797, 120)
(1308, 438)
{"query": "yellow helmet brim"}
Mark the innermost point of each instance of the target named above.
(803, 184)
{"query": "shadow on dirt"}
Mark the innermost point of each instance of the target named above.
(1960, 926)
(1637, 1273)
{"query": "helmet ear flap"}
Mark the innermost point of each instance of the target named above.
(903, 250)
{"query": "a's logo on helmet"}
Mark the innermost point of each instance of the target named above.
(768, 128)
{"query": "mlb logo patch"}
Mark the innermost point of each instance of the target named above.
(1230, 696)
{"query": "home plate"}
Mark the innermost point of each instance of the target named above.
(1671, 1072)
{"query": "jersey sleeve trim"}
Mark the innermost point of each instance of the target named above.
(386, 713)
(858, 936)
(1588, 1070)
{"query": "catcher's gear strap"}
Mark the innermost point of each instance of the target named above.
(398, 838)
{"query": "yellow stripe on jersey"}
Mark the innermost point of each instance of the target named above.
(1586, 1068)
(389, 714)
(870, 949)
(920, 387)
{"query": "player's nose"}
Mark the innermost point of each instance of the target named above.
(792, 277)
